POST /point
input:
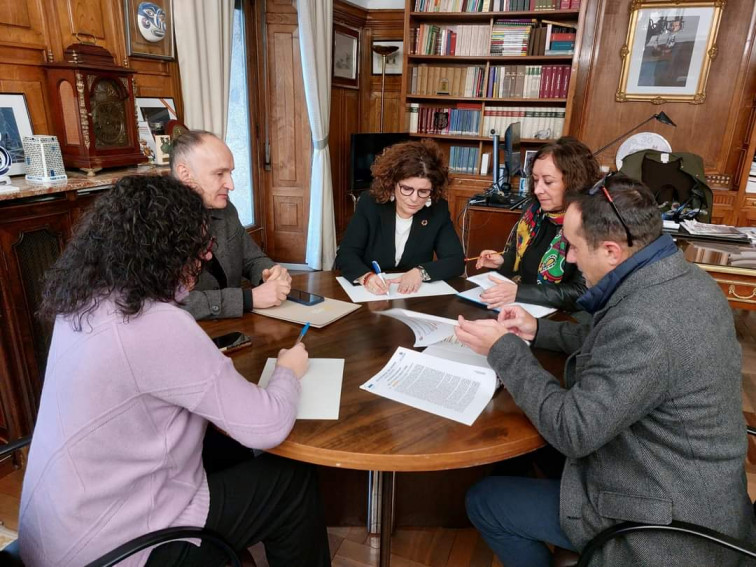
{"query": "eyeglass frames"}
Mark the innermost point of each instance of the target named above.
(601, 186)
(407, 191)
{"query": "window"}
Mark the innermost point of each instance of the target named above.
(237, 133)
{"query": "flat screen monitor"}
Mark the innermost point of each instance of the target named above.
(365, 146)
(512, 149)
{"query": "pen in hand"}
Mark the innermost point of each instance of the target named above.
(486, 255)
(302, 333)
(378, 272)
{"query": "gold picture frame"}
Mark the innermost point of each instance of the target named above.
(669, 49)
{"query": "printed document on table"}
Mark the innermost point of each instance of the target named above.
(359, 294)
(482, 280)
(451, 349)
(450, 389)
(321, 387)
(428, 329)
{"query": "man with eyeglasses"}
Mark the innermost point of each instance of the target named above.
(650, 415)
(204, 162)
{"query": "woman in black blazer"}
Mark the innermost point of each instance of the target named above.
(402, 222)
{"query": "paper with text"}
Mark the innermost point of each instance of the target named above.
(428, 329)
(442, 387)
(321, 387)
(359, 294)
(485, 283)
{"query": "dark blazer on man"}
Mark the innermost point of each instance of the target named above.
(238, 256)
(650, 416)
(371, 236)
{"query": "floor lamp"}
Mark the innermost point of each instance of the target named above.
(384, 51)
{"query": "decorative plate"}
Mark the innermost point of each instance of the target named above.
(5, 161)
(641, 141)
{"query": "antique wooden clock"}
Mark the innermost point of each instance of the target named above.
(94, 114)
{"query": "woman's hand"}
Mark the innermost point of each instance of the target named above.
(410, 281)
(295, 359)
(503, 293)
(489, 259)
(374, 284)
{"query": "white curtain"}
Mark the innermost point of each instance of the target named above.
(204, 31)
(315, 19)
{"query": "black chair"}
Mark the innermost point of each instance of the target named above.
(564, 558)
(10, 557)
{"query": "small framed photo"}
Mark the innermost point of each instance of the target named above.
(393, 60)
(157, 112)
(149, 28)
(163, 144)
(668, 51)
(346, 56)
(15, 123)
(527, 168)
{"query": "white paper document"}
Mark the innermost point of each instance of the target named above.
(428, 329)
(321, 387)
(358, 293)
(442, 387)
(482, 280)
(451, 349)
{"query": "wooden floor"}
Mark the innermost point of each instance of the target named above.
(352, 547)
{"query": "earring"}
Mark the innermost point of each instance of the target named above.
(391, 198)
(429, 202)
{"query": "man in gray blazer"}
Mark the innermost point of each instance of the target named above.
(203, 161)
(650, 415)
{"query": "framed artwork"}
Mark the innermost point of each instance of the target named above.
(15, 123)
(346, 51)
(156, 111)
(528, 161)
(149, 28)
(393, 61)
(669, 49)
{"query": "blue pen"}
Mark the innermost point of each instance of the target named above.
(302, 333)
(377, 270)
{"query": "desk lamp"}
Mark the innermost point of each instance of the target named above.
(661, 117)
(384, 51)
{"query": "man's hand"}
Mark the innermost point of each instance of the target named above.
(409, 282)
(489, 259)
(479, 335)
(502, 293)
(518, 322)
(277, 272)
(295, 359)
(270, 294)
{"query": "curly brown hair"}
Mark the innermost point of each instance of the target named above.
(409, 159)
(574, 159)
(140, 241)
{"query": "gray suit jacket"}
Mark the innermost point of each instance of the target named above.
(650, 417)
(239, 256)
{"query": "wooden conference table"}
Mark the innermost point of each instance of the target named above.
(374, 433)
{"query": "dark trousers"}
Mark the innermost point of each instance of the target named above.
(264, 498)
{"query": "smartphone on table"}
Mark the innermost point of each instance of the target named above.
(232, 341)
(304, 297)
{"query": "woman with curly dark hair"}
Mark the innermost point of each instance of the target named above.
(131, 384)
(535, 255)
(402, 222)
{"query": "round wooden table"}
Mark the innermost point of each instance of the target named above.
(374, 433)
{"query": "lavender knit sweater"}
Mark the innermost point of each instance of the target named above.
(117, 448)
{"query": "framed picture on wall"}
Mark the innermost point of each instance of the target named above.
(668, 51)
(346, 56)
(149, 28)
(15, 123)
(393, 60)
(527, 168)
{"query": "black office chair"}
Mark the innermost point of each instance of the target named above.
(10, 557)
(564, 558)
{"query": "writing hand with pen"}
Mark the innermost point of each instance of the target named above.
(374, 281)
(295, 358)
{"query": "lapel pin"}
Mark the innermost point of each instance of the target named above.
(424, 222)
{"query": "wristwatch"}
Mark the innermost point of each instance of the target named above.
(424, 274)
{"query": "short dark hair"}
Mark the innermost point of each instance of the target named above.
(574, 159)
(423, 159)
(634, 201)
(140, 241)
(185, 144)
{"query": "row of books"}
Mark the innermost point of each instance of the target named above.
(544, 122)
(461, 120)
(495, 5)
(552, 39)
(533, 5)
(463, 159)
(510, 37)
(528, 81)
(447, 80)
(430, 39)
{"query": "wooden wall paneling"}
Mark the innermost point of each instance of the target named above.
(382, 25)
(22, 24)
(345, 120)
(31, 82)
(98, 19)
(290, 141)
(724, 207)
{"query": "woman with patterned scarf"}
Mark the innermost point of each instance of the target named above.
(535, 253)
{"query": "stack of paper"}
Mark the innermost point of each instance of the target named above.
(359, 294)
(485, 283)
